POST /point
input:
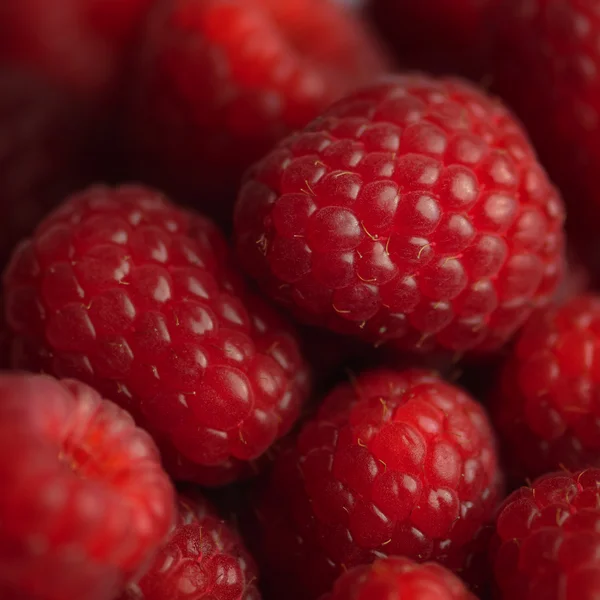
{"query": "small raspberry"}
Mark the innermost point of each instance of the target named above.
(547, 64)
(85, 502)
(204, 559)
(41, 134)
(399, 578)
(412, 212)
(79, 44)
(546, 405)
(394, 463)
(123, 290)
(439, 36)
(547, 541)
(219, 81)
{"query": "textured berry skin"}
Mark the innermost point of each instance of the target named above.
(220, 81)
(41, 135)
(399, 578)
(127, 292)
(412, 211)
(439, 36)
(547, 65)
(546, 406)
(85, 503)
(547, 541)
(79, 44)
(394, 463)
(204, 559)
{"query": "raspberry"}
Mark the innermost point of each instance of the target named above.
(85, 502)
(440, 36)
(219, 81)
(79, 44)
(412, 211)
(547, 542)
(394, 463)
(40, 138)
(123, 290)
(547, 63)
(546, 407)
(399, 577)
(204, 559)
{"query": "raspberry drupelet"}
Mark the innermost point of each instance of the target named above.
(545, 407)
(412, 212)
(127, 292)
(395, 463)
(547, 540)
(218, 82)
(399, 578)
(204, 559)
(85, 503)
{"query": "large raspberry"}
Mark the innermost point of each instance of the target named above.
(399, 578)
(393, 463)
(412, 211)
(440, 36)
(127, 292)
(547, 543)
(85, 502)
(204, 559)
(546, 406)
(219, 81)
(80, 44)
(41, 136)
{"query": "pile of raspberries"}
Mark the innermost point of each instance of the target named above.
(300, 300)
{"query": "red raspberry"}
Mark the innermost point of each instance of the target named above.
(219, 81)
(547, 542)
(394, 463)
(547, 65)
(400, 578)
(546, 407)
(78, 43)
(85, 502)
(127, 292)
(41, 135)
(440, 36)
(413, 211)
(204, 559)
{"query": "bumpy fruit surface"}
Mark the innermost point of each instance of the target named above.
(399, 578)
(136, 297)
(204, 559)
(413, 212)
(547, 541)
(218, 82)
(394, 463)
(85, 503)
(546, 406)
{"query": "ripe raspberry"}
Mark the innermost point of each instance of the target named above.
(399, 578)
(127, 292)
(413, 211)
(394, 463)
(79, 44)
(85, 502)
(219, 81)
(547, 541)
(440, 36)
(41, 135)
(545, 407)
(547, 65)
(204, 559)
